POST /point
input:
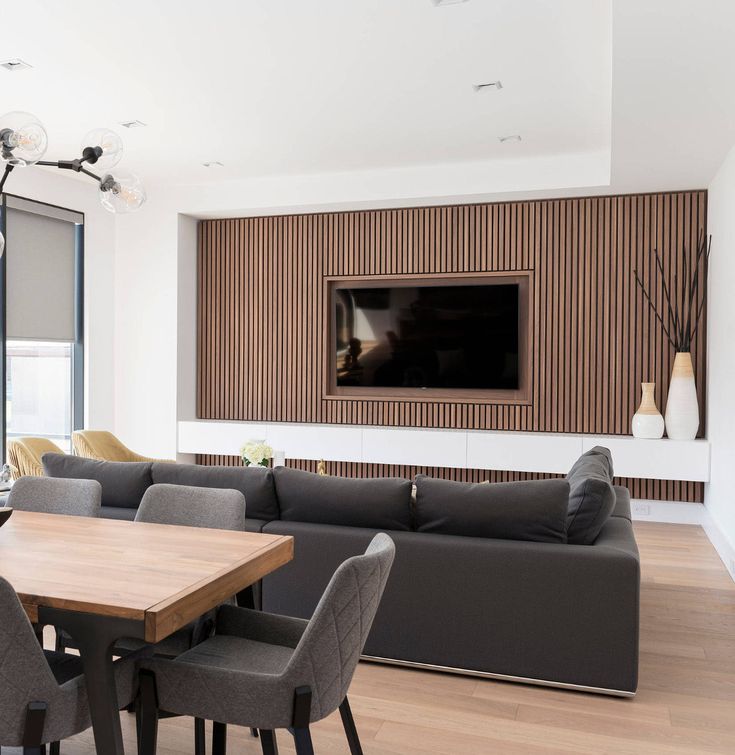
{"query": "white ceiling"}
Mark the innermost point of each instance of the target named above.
(292, 87)
(274, 87)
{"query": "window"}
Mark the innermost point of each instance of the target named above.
(42, 321)
(38, 391)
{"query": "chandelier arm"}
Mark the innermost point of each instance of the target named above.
(8, 170)
(90, 174)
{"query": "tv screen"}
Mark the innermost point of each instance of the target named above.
(427, 336)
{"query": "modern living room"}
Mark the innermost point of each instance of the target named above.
(368, 377)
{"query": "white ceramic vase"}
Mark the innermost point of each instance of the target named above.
(647, 421)
(682, 407)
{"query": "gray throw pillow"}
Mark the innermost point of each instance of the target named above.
(591, 495)
(123, 482)
(255, 483)
(380, 503)
(533, 510)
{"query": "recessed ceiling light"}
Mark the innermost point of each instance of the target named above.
(15, 64)
(509, 138)
(448, 2)
(133, 124)
(214, 164)
(489, 86)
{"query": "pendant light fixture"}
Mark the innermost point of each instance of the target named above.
(23, 142)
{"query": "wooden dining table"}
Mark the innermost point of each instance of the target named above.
(101, 580)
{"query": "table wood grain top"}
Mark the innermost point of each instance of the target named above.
(163, 575)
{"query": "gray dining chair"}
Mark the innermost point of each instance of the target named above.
(271, 672)
(187, 506)
(43, 698)
(56, 495)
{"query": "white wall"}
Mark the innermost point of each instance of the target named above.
(720, 493)
(99, 291)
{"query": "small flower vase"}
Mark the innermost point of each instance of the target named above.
(682, 407)
(647, 421)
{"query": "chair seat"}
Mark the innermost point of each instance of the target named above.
(239, 654)
(171, 646)
(64, 666)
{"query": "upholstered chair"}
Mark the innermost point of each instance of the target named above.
(272, 672)
(187, 506)
(24, 455)
(104, 446)
(56, 495)
(43, 698)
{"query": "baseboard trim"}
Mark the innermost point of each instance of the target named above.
(722, 545)
(687, 513)
(500, 677)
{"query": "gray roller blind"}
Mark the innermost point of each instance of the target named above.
(40, 267)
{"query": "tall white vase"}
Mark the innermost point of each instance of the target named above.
(682, 407)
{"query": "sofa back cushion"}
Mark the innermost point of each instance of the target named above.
(381, 503)
(591, 495)
(123, 482)
(255, 483)
(533, 510)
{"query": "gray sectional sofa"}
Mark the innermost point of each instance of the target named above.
(532, 581)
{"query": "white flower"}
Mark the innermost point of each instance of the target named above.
(256, 452)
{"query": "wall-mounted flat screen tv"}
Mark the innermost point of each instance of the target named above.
(427, 336)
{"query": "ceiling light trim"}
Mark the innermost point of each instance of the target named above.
(15, 64)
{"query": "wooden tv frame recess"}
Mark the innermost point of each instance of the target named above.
(521, 395)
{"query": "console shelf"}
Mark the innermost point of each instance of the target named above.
(474, 449)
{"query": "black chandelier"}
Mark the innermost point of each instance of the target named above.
(23, 142)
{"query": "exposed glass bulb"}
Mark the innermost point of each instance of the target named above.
(121, 192)
(23, 139)
(111, 144)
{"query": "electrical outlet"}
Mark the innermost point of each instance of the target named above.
(642, 509)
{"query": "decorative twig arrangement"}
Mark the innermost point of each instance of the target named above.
(683, 307)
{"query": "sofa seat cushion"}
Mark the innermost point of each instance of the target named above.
(591, 495)
(534, 510)
(123, 482)
(115, 512)
(255, 483)
(382, 503)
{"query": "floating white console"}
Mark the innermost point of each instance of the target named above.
(474, 449)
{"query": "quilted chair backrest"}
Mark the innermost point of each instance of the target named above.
(56, 495)
(24, 673)
(187, 506)
(330, 648)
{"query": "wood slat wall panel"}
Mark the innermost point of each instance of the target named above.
(261, 310)
(653, 490)
(262, 345)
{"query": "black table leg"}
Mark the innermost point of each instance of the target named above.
(95, 637)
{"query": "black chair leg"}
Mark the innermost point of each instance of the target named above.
(34, 723)
(253, 732)
(148, 714)
(55, 748)
(268, 742)
(350, 729)
(199, 737)
(219, 738)
(302, 737)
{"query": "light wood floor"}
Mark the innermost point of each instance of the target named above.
(685, 702)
